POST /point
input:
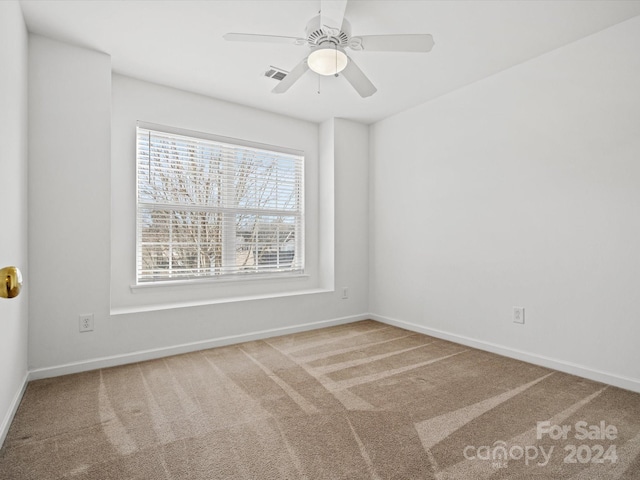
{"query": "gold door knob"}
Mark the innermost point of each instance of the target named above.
(10, 282)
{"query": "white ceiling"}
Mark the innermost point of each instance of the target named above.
(180, 44)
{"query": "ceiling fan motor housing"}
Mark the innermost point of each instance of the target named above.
(318, 34)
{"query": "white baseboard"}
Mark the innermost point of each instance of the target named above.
(140, 356)
(13, 408)
(560, 365)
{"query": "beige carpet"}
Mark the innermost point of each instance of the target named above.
(359, 401)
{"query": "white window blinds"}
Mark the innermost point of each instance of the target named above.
(211, 207)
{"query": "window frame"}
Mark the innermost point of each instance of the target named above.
(229, 231)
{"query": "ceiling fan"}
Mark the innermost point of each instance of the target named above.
(327, 36)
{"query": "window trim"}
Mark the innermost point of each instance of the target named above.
(229, 278)
(232, 276)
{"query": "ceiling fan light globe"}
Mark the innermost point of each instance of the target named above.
(327, 60)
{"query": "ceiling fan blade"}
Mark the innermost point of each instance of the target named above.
(393, 43)
(250, 37)
(358, 80)
(292, 77)
(332, 14)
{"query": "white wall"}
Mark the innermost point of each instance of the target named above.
(72, 185)
(69, 191)
(520, 190)
(351, 145)
(13, 217)
(135, 100)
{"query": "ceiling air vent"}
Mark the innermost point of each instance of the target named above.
(275, 73)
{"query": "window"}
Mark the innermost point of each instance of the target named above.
(213, 207)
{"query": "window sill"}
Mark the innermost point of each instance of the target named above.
(215, 301)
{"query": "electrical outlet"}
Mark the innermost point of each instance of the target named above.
(518, 314)
(86, 323)
(345, 293)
